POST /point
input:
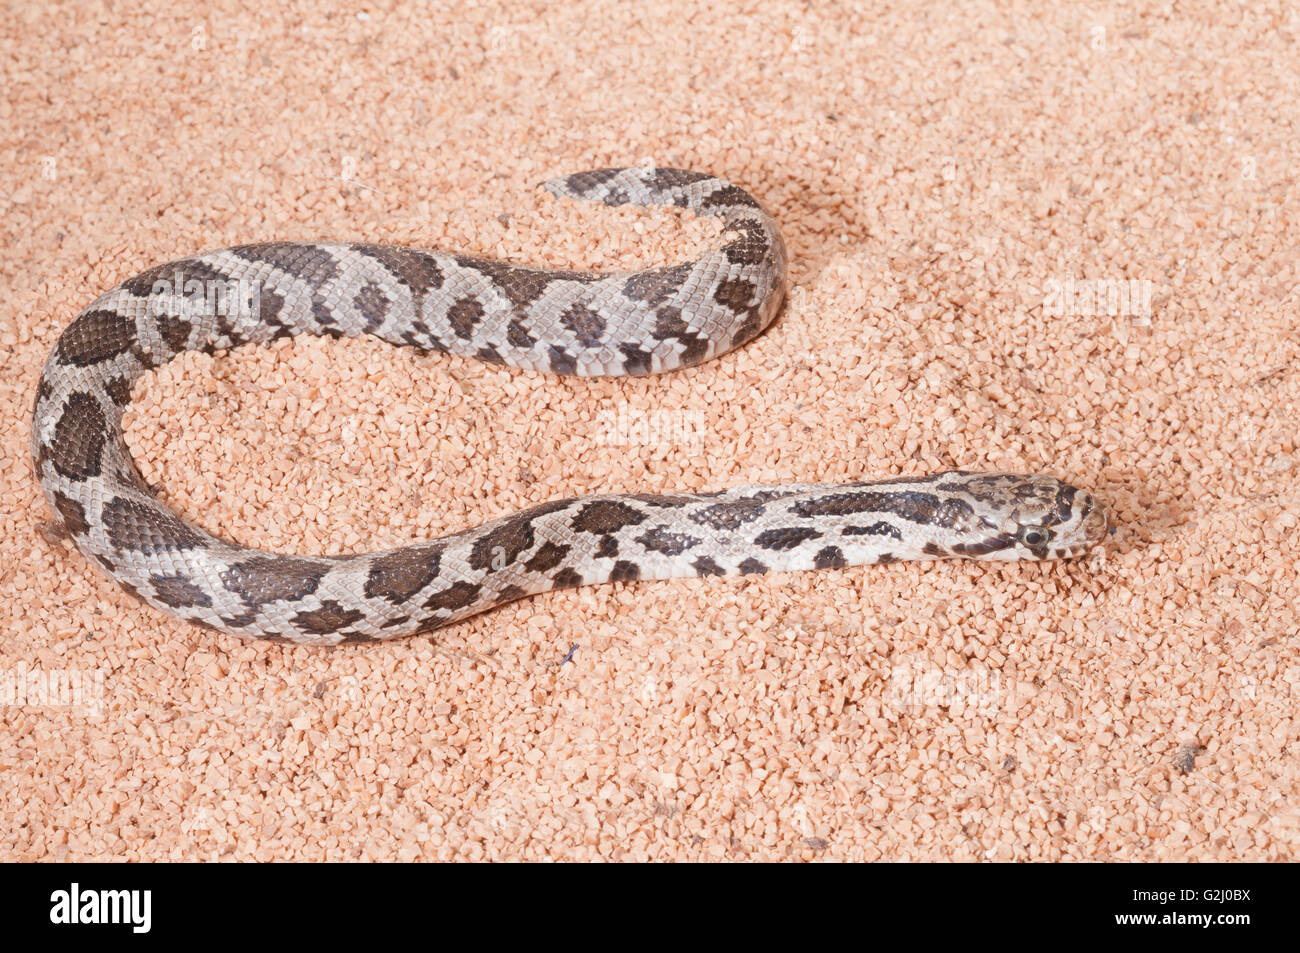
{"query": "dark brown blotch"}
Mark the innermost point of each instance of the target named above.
(372, 304)
(911, 505)
(43, 390)
(510, 594)
(660, 540)
(735, 293)
(875, 529)
(171, 278)
(729, 196)
(705, 566)
(669, 325)
(501, 546)
(624, 571)
(517, 335)
(417, 270)
(96, 336)
(580, 183)
(662, 180)
(431, 624)
(731, 515)
(357, 638)
(420, 336)
(311, 263)
(71, 513)
(562, 362)
(749, 328)
(178, 591)
(832, 557)
(521, 286)
(118, 390)
(141, 528)
(786, 538)
(567, 579)
(270, 305)
(1063, 506)
(637, 361)
(175, 330)
(262, 579)
(657, 285)
(456, 596)
(606, 516)
(464, 316)
(399, 575)
(587, 326)
(77, 446)
(328, 619)
(751, 246)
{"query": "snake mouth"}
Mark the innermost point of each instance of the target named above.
(1001, 543)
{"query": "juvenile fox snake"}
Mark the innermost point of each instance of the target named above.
(564, 322)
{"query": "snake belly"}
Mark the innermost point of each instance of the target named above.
(564, 322)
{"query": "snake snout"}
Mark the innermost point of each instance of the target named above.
(1094, 524)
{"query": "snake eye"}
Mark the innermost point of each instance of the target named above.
(1032, 536)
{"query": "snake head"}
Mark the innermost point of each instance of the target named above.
(1033, 517)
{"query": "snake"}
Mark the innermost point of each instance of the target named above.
(555, 321)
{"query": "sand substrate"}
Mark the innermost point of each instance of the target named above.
(955, 184)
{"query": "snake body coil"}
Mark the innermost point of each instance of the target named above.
(560, 321)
